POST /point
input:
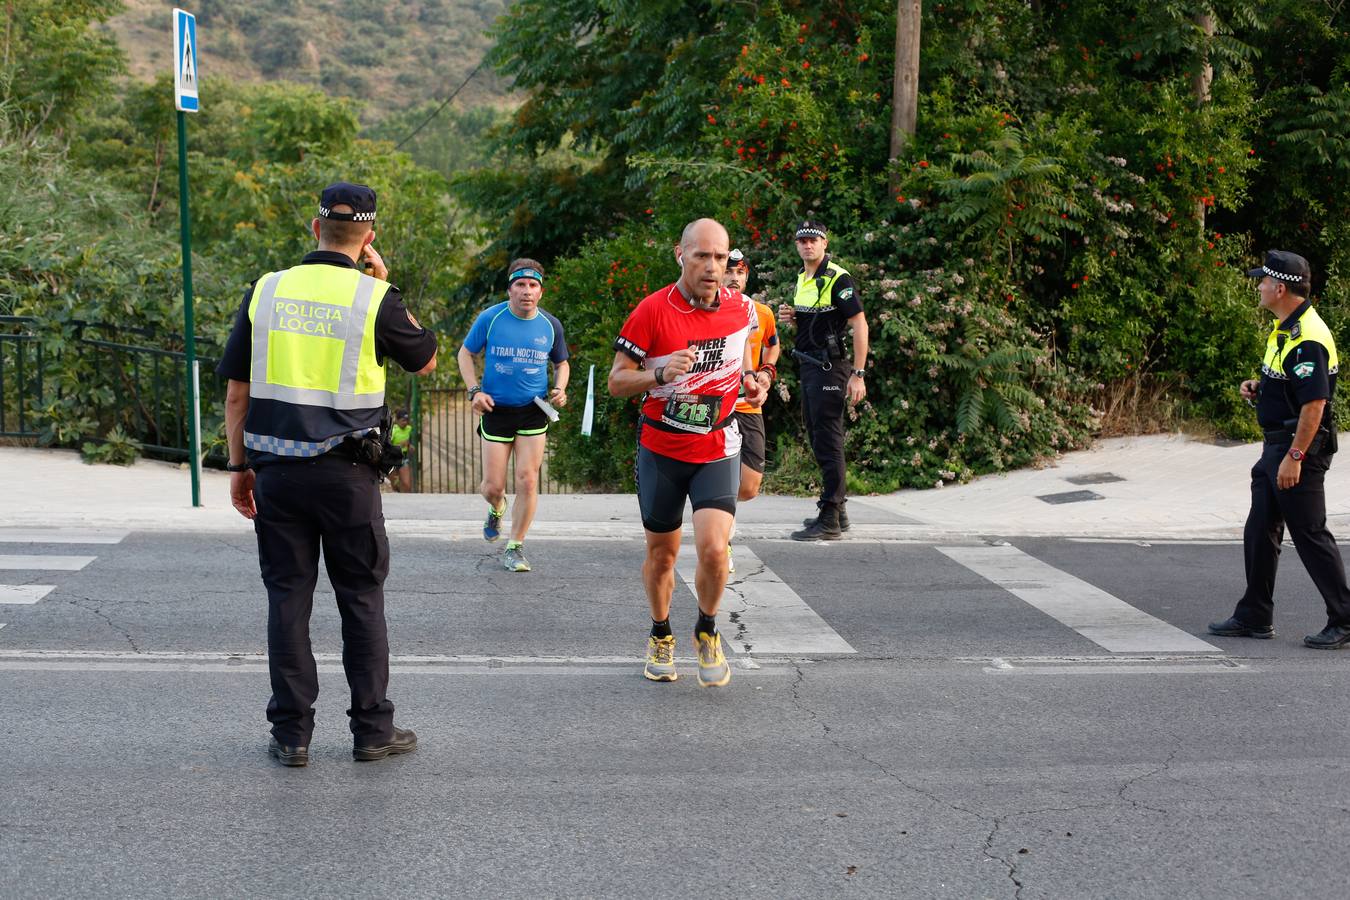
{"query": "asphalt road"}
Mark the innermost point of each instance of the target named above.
(971, 746)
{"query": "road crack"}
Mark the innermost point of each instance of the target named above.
(828, 733)
(90, 605)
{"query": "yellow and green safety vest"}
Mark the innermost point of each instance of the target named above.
(313, 355)
(816, 291)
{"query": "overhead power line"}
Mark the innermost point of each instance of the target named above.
(437, 111)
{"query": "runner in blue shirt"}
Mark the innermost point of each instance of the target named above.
(518, 340)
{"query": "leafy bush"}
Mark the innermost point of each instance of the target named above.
(116, 448)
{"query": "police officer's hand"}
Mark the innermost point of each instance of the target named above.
(483, 402)
(558, 396)
(1248, 389)
(786, 314)
(241, 493)
(377, 267)
(1291, 470)
(680, 362)
(856, 390)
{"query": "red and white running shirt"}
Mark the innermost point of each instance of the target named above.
(689, 418)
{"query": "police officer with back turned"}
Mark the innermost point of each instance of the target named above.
(825, 305)
(306, 424)
(1293, 401)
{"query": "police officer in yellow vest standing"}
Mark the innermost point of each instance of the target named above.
(1293, 401)
(304, 416)
(830, 370)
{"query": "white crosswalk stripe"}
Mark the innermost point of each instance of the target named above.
(1096, 615)
(28, 594)
(61, 536)
(760, 614)
(46, 563)
(24, 593)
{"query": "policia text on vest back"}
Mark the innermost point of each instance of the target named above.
(313, 351)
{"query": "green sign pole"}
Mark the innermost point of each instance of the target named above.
(189, 342)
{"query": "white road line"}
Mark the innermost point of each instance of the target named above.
(208, 662)
(46, 563)
(1161, 542)
(24, 593)
(1096, 615)
(61, 536)
(1187, 669)
(762, 615)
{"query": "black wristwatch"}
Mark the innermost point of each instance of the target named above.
(861, 373)
(237, 467)
(476, 389)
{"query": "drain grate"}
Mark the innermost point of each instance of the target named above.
(1071, 497)
(1095, 478)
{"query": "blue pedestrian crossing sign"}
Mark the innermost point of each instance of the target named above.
(185, 61)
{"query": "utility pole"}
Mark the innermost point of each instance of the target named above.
(905, 89)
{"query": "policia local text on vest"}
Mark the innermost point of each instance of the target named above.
(305, 403)
(1294, 405)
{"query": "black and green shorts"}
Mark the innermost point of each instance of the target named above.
(503, 423)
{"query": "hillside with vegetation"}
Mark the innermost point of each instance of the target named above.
(391, 54)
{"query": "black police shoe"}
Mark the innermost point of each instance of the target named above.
(824, 528)
(403, 741)
(843, 518)
(1333, 637)
(288, 755)
(1235, 627)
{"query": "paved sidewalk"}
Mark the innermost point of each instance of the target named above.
(1169, 487)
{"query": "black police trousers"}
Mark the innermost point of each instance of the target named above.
(1304, 509)
(334, 504)
(823, 401)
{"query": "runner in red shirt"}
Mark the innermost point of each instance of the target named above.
(686, 348)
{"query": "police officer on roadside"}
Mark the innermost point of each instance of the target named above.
(831, 370)
(306, 421)
(1293, 400)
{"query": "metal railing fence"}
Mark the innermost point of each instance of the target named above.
(21, 382)
(447, 456)
(114, 384)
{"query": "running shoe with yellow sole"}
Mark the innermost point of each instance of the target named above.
(713, 670)
(660, 659)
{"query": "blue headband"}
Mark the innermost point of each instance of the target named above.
(525, 273)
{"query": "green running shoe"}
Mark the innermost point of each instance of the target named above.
(660, 659)
(514, 559)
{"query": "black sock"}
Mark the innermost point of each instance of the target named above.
(661, 629)
(706, 624)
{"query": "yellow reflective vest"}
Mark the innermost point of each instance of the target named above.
(313, 378)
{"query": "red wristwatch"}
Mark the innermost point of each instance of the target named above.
(1296, 454)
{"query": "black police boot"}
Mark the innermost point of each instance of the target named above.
(404, 741)
(824, 528)
(1333, 637)
(288, 755)
(843, 516)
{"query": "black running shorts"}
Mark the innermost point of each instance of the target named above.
(503, 423)
(664, 484)
(752, 440)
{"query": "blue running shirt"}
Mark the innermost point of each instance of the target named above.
(516, 352)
